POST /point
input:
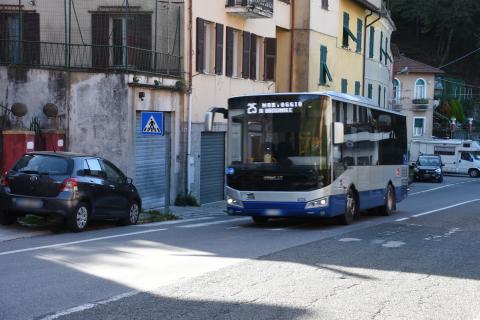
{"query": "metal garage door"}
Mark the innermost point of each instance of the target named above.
(212, 171)
(152, 155)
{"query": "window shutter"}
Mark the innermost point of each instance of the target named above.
(253, 57)
(200, 54)
(100, 36)
(372, 42)
(219, 49)
(381, 46)
(270, 58)
(387, 56)
(3, 35)
(31, 38)
(359, 35)
(379, 94)
(142, 36)
(323, 64)
(246, 55)
(370, 90)
(344, 85)
(229, 53)
(346, 23)
(357, 88)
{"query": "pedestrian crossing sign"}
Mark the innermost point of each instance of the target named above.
(152, 123)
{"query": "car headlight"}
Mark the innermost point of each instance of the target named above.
(234, 202)
(438, 170)
(318, 203)
(416, 170)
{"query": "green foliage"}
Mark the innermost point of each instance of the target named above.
(157, 216)
(35, 125)
(186, 200)
(457, 110)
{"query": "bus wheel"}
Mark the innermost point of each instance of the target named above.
(351, 211)
(474, 173)
(259, 220)
(389, 206)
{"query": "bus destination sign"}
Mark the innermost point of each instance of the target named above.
(273, 107)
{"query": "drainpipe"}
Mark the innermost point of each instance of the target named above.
(365, 44)
(292, 39)
(190, 82)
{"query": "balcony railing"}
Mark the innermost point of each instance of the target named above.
(250, 9)
(89, 57)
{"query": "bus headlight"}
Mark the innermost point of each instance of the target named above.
(234, 202)
(318, 203)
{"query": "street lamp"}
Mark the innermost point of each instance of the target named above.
(452, 126)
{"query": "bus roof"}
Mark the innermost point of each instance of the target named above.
(343, 97)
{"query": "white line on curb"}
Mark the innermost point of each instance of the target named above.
(445, 186)
(162, 223)
(206, 224)
(437, 210)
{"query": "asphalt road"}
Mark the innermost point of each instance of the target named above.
(420, 263)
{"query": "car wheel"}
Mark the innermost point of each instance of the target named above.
(474, 173)
(259, 220)
(7, 217)
(132, 215)
(440, 179)
(389, 206)
(78, 218)
(351, 210)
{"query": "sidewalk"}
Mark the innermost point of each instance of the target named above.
(17, 231)
(206, 210)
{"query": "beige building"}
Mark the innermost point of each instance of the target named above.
(413, 95)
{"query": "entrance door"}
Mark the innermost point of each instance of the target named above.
(465, 162)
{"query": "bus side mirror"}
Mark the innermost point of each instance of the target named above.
(338, 133)
(210, 117)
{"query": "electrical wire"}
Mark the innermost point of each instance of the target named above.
(461, 58)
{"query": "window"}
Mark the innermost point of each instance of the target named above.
(466, 156)
(324, 72)
(325, 4)
(372, 43)
(344, 85)
(20, 34)
(113, 173)
(346, 31)
(359, 35)
(420, 89)
(257, 57)
(370, 91)
(206, 46)
(234, 53)
(93, 165)
(357, 88)
(397, 90)
(418, 127)
(270, 58)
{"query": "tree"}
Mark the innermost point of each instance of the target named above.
(457, 110)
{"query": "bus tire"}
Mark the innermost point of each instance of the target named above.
(259, 220)
(474, 173)
(390, 202)
(351, 210)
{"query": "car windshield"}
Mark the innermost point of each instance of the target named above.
(429, 161)
(42, 164)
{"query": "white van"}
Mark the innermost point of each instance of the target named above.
(458, 156)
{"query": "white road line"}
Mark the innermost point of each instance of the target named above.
(88, 306)
(437, 210)
(64, 244)
(162, 223)
(206, 224)
(437, 188)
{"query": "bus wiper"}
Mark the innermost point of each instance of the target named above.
(29, 171)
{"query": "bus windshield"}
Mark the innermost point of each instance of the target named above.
(278, 143)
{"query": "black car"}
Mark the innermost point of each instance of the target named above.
(78, 188)
(428, 167)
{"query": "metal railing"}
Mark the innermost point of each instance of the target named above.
(264, 5)
(105, 58)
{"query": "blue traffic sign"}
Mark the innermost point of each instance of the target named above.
(152, 123)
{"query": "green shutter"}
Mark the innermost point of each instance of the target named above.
(372, 42)
(381, 46)
(357, 88)
(344, 85)
(370, 91)
(379, 94)
(324, 72)
(346, 30)
(359, 35)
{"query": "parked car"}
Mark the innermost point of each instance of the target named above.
(78, 188)
(428, 167)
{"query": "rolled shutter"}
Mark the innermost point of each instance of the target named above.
(219, 49)
(253, 57)
(31, 38)
(229, 53)
(200, 52)
(246, 55)
(100, 40)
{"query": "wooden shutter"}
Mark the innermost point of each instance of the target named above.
(246, 55)
(372, 42)
(100, 37)
(142, 39)
(3, 38)
(323, 64)
(31, 38)
(229, 52)
(381, 47)
(346, 24)
(370, 90)
(219, 49)
(253, 57)
(359, 35)
(270, 58)
(357, 88)
(200, 52)
(344, 86)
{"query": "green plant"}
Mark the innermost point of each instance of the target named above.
(157, 216)
(457, 110)
(181, 85)
(35, 125)
(186, 200)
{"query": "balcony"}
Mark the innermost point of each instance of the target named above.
(420, 104)
(250, 9)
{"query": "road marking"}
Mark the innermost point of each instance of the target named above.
(437, 188)
(88, 306)
(349, 240)
(393, 244)
(439, 209)
(162, 223)
(206, 224)
(64, 244)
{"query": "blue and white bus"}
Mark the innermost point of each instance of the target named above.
(313, 155)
